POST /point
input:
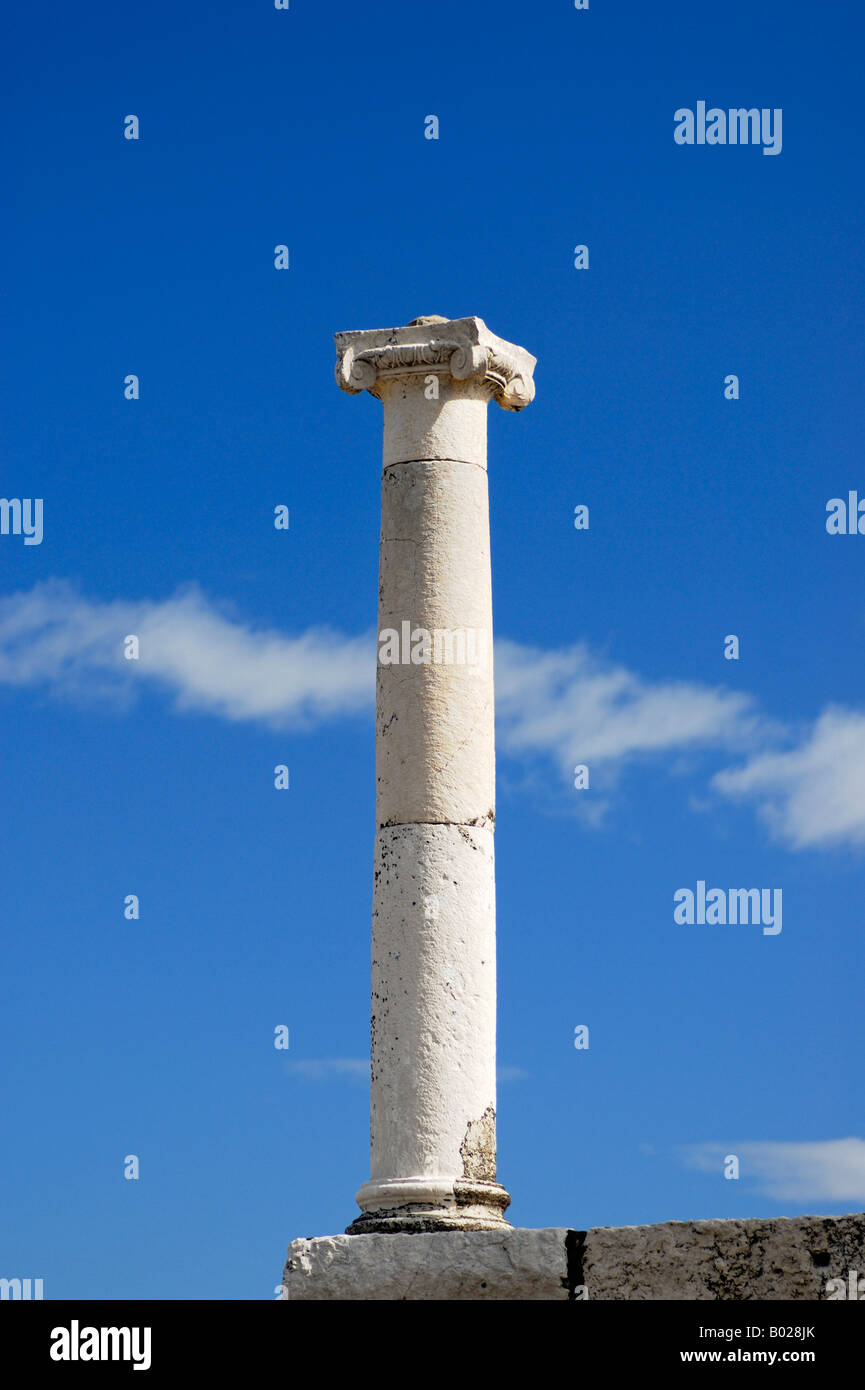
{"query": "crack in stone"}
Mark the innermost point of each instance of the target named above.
(575, 1246)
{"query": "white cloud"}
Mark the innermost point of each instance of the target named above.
(327, 1068)
(566, 705)
(504, 1075)
(829, 1170)
(205, 657)
(811, 796)
(561, 707)
(357, 1069)
(572, 707)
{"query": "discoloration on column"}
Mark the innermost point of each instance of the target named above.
(432, 1117)
(478, 1149)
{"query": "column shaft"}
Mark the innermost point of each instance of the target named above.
(433, 1027)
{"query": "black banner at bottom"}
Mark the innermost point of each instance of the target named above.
(160, 1339)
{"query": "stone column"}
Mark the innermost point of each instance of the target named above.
(433, 1032)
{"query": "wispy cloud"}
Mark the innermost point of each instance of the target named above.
(570, 706)
(201, 653)
(554, 708)
(504, 1075)
(329, 1068)
(813, 795)
(830, 1170)
(357, 1069)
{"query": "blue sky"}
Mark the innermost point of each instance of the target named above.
(707, 517)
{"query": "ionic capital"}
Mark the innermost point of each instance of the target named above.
(463, 350)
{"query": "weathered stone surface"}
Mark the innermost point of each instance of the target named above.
(433, 1037)
(449, 427)
(456, 350)
(471, 367)
(728, 1261)
(433, 1091)
(434, 720)
(458, 1265)
(784, 1257)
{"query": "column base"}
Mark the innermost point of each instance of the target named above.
(430, 1204)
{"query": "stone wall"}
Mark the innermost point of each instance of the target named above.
(734, 1261)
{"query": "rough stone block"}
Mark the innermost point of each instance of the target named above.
(729, 1261)
(779, 1258)
(440, 1265)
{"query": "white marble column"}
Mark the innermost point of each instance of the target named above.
(433, 1099)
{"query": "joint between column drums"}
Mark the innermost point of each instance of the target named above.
(400, 463)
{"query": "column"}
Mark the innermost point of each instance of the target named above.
(433, 1026)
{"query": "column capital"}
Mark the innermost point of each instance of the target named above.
(460, 349)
